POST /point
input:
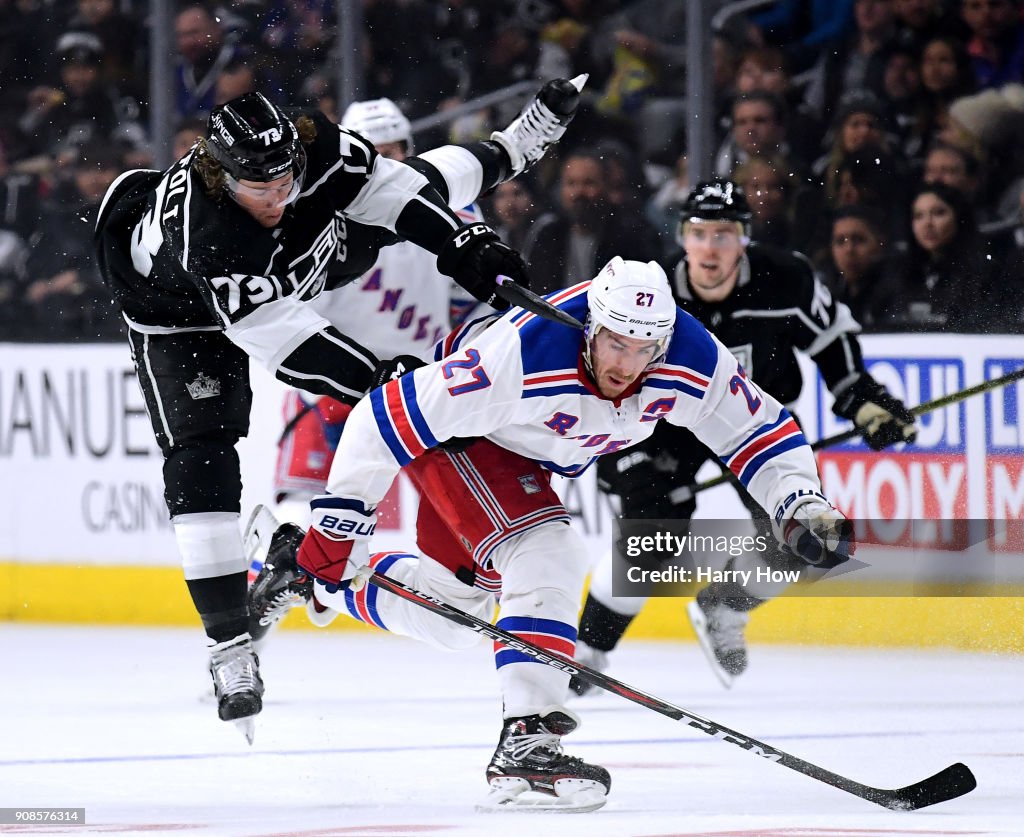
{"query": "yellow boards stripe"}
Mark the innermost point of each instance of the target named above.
(132, 595)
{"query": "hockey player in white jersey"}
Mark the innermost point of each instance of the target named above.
(545, 398)
(402, 305)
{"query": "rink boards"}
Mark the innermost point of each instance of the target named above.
(84, 535)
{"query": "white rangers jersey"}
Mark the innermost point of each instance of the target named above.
(402, 305)
(521, 383)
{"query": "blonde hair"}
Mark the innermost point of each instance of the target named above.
(211, 172)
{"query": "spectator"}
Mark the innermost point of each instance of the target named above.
(204, 50)
(945, 280)
(957, 168)
(27, 35)
(520, 217)
(83, 109)
(764, 68)
(860, 266)
(66, 292)
(859, 123)
(758, 128)
(1009, 244)
(236, 79)
(855, 61)
(990, 126)
(765, 182)
(869, 176)
(996, 44)
(903, 100)
(185, 136)
(588, 232)
(946, 72)
(805, 27)
(120, 35)
(919, 20)
(20, 194)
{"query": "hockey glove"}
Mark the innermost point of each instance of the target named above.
(813, 530)
(474, 257)
(393, 369)
(335, 546)
(881, 419)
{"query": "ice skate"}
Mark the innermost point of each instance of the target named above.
(719, 627)
(530, 773)
(237, 684)
(541, 123)
(591, 658)
(280, 584)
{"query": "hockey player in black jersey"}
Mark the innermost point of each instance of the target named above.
(212, 263)
(765, 304)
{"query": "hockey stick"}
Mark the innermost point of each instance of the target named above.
(517, 294)
(953, 781)
(685, 492)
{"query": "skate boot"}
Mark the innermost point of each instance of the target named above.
(280, 585)
(719, 615)
(541, 123)
(237, 684)
(591, 658)
(530, 772)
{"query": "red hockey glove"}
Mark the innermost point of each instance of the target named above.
(335, 546)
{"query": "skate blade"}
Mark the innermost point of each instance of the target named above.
(246, 726)
(700, 628)
(513, 800)
(579, 81)
(256, 540)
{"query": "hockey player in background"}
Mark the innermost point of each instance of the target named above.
(546, 398)
(214, 262)
(764, 304)
(402, 305)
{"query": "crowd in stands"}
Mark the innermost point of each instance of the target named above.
(883, 139)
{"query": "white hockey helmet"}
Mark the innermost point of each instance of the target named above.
(380, 121)
(632, 299)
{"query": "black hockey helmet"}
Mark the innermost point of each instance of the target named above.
(716, 200)
(252, 139)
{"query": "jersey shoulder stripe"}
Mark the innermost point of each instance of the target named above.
(692, 347)
(399, 420)
(555, 382)
(678, 378)
(765, 443)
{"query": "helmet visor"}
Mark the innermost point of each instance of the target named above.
(281, 191)
(695, 232)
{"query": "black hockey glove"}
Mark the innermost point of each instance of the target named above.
(474, 257)
(395, 368)
(643, 482)
(881, 419)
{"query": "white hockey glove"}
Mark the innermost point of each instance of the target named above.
(813, 530)
(336, 545)
(881, 419)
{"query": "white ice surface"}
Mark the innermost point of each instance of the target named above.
(377, 735)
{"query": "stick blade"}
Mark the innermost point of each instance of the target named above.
(953, 781)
